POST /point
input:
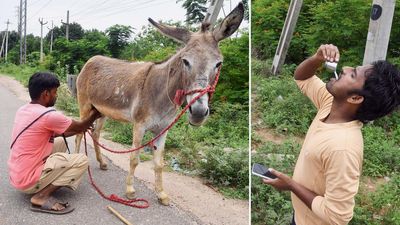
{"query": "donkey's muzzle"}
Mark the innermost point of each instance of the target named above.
(198, 114)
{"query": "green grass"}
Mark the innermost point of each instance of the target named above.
(20, 73)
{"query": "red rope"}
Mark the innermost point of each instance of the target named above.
(113, 197)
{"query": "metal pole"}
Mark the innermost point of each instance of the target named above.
(66, 26)
(24, 53)
(380, 25)
(41, 38)
(286, 35)
(213, 11)
(67, 32)
(8, 22)
(51, 36)
(21, 61)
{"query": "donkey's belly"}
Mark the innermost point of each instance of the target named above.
(119, 114)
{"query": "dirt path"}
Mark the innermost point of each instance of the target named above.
(188, 193)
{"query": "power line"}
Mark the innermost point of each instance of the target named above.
(131, 9)
(86, 10)
(46, 4)
(33, 3)
(99, 9)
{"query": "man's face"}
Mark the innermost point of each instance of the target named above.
(51, 97)
(349, 79)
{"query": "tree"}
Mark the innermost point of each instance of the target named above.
(76, 32)
(118, 38)
(150, 40)
(195, 10)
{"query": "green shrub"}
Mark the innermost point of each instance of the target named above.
(381, 153)
(268, 205)
(343, 23)
(381, 207)
(227, 168)
(20, 73)
(66, 102)
(281, 104)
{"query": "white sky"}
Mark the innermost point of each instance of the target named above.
(98, 14)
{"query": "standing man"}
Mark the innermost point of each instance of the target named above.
(326, 177)
(38, 163)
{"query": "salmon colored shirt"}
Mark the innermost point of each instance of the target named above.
(329, 163)
(34, 145)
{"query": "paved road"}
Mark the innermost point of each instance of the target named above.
(90, 207)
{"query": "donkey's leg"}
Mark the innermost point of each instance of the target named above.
(138, 133)
(84, 110)
(96, 136)
(158, 160)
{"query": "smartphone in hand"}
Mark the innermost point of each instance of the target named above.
(262, 171)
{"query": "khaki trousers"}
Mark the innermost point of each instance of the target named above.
(61, 169)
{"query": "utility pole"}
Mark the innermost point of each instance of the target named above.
(67, 26)
(2, 45)
(380, 25)
(51, 36)
(213, 11)
(22, 32)
(286, 35)
(8, 23)
(41, 38)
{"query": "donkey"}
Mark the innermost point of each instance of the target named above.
(142, 93)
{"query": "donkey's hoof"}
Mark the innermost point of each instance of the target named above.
(103, 166)
(163, 198)
(131, 195)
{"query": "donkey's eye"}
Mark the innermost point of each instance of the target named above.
(186, 62)
(218, 65)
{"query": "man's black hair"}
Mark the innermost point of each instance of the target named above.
(381, 91)
(40, 82)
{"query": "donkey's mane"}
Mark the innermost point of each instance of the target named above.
(166, 59)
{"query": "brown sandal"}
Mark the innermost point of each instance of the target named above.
(47, 207)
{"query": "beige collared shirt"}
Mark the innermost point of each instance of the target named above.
(329, 163)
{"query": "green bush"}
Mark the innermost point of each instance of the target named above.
(20, 73)
(281, 104)
(381, 207)
(227, 168)
(343, 23)
(381, 153)
(66, 102)
(233, 85)
(268, 205)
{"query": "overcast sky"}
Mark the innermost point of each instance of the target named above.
(98, 14)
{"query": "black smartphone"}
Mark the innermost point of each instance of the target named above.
(262, 171)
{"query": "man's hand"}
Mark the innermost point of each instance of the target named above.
(282, 182)
(309, 67)
(94, 114)
(328, 52)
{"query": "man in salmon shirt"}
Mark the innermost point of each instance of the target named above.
(38, 162)
(327, 173)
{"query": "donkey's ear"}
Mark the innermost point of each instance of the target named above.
(230, 24)
(179, 34)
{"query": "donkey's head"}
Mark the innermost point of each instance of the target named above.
(200, 58)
